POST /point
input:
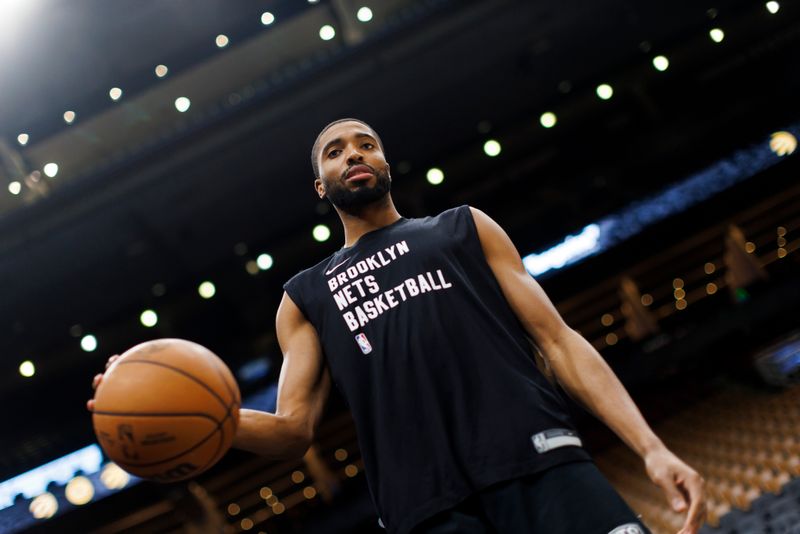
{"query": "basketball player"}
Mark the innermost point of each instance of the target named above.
(424, 326)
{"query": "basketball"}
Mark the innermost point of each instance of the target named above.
(166, 410)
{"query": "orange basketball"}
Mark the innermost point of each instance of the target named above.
(166, 410)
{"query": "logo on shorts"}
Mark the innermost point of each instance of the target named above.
(363, 343)
(628, 528)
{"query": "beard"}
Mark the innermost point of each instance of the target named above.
(355, 200)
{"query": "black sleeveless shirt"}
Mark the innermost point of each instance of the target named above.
(434, 364)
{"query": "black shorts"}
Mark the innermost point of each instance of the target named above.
(571, 498)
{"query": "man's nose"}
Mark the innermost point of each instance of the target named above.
(355, 156)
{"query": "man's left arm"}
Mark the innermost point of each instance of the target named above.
(585, 374)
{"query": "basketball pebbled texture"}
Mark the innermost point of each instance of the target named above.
(167, 410)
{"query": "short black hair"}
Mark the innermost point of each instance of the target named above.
(315, 146)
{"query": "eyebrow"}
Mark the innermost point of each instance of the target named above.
(338, 140)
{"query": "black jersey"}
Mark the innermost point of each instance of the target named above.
(435, 366)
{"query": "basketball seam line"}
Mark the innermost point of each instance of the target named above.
(182, 372)
(218, 453)
(187, 451)
(158, 414)
(225, 381)
(219, 426)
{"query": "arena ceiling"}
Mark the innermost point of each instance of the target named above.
(146, 196)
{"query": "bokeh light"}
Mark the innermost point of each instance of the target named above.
(51, 169)
(604, 91)
(182, 104)
(548, 119)
(207, 289)
(492, 148)
(327, 32)
(364, 14)
(149, 318)
(435, 176)
(661, 63)
(27, 369)
(79, 490)
(264, 261)
(321, 232)
(89, 343)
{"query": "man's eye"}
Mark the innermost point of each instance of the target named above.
(368, 146)
(334, 153)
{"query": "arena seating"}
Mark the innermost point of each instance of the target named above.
(746, 444)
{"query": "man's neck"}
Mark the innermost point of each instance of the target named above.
(371, 217)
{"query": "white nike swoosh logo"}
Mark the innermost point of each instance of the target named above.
(336, 267)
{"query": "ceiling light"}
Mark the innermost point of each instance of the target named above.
(206, 290)
(321, 232)
(113, 477)
(69, 116)
(27, 369)
(661, 63)
(267, 18)
(79, 490)
(22, 139)
(14, 187)
(604, 91)
(491, 148)
(773, 7)
(43, 506)
(161, 70)
(51, 169)
(115, 93)
(783, 143)
(88, 343)
(148, 318)
(222, 41)
(326, 33)
(364, 14)
(252, 267)
(548, 119)
(716, 35)
(264, 261)
(435, 176)
(182, 104)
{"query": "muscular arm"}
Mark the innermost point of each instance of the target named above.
(303, 388)
(583, 373)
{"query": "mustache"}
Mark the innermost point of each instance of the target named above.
(345, 173)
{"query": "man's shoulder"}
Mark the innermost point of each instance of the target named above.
(312, 271)
(450, 213)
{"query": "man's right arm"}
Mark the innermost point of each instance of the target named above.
(303, 389)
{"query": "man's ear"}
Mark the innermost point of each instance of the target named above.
(320, 187)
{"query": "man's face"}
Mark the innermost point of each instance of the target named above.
(353, 169)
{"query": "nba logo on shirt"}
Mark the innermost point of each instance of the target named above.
(363, 342)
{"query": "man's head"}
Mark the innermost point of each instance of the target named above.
(349, 165)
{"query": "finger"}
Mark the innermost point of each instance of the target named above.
(674, 496)
(96, 380)
(112, 360)
(90, 405)
(695, 486)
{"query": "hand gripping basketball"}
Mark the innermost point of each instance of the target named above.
(166, 409)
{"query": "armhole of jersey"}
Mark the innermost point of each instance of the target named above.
(474, 238)
(296, 297)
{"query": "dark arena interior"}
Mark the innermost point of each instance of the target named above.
(154, 164)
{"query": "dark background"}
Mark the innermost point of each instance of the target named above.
(147, 196)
